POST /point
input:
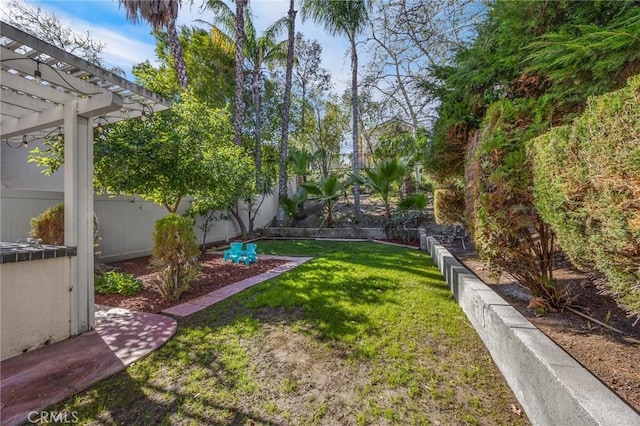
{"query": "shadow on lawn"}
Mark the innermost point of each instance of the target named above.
(198, 375)
(332, 299)
(127, 400)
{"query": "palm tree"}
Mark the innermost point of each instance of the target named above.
(223, 11)
(161, 13)
(384, 177)
(329, 191)
(282, 179)
(258, 52)
(346, 17)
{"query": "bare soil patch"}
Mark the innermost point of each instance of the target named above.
(214, 274)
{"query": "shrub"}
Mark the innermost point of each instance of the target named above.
(507, 231)
(49, 226)
(448, 205)
(413, 202)
(117, 282)
(175, 252)
(587, 186)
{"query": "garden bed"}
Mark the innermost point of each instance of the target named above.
(214, 274)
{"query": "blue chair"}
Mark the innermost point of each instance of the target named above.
(250, 254)
(233, 254)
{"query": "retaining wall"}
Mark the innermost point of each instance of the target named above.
(551, 386)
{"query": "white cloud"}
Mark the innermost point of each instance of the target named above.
(123, 51)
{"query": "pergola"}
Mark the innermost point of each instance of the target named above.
(46, 91)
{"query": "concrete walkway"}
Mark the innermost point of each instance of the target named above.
(36, 380)
(202, 302)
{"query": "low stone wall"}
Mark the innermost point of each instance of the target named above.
(551, 386)
(339, 233)
(357, 233)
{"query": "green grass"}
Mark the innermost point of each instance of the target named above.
(362, 334)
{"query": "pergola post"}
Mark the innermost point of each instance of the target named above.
(78, 215)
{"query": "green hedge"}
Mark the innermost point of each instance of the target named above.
(448, 205)
(587, 186)
(507, 232)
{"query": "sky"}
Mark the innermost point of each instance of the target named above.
(128, 44)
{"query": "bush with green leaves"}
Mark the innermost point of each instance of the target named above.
(49, 226)
(113, 282)
(329, 191)
(507, 231)
(384, 178)
(175, 254)
(587, 186)
(448, 204)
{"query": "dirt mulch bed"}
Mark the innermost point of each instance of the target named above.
(213, 275)
(611, 356)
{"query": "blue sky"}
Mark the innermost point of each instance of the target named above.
(128, 44)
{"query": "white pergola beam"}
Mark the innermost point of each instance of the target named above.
(59, 78)
(32, 88)
(68, 58)
(15, 111)
(78, 215)
(54, 117)
(23, 100)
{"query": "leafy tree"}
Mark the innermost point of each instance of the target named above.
(258, 52)
(344, 17)
(309, 77)
(161, 14)
(207, 57)
(183, 151)
(331, 122)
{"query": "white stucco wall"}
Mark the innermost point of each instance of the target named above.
(36, 306)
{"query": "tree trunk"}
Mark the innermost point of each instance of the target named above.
(258, 123)
(236, 216)
(176, 51)
(282, 183)
(239, 106)
(354, 113)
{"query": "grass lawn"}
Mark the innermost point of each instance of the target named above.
(364, 333)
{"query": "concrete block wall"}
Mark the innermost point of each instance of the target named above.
(551, 386)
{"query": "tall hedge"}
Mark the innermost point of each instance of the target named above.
(448, 204)
(507, 231)
(587, 186)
